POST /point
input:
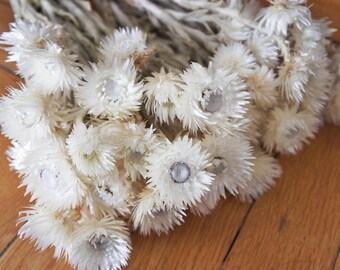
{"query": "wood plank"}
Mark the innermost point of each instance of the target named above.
(296, 225)
(11, 199)
(22, 255)
(199, 243)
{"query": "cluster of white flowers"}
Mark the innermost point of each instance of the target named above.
(140, 136)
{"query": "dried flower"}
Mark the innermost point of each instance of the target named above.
(152, 214)
(103, 244)
(178, 172)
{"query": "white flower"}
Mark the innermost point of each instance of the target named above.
(266, 169)
(162, 94)
(283, 13)
(111, 91)
(235, 56)
(100, 244)
(231, 160)
(264, 50)
(288, 129)
(47, 228)
(51, 70)
(136, 142)
(308, 39)
(26, 114)
(178, 172)
(91, 153)
(211, 98)
(293, 77)
(232, 29)
(152, 214)
(50, 177)
(112, 194)
(45, 64)
(262, 87)
(123, 43)
(319, 88)
(25, 36)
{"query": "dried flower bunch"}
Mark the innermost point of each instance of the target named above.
(131, 119)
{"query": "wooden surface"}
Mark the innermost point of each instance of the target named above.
(294, 226)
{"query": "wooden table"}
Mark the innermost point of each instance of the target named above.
(294, 226)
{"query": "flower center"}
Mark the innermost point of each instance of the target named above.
(180, 172)
(89, 155)
(49, 178)
(41, 43)
(212, 102)
(135, 155)
(219, 165)
(99, 242)
(28, 119)
(292, 133)
(112, 89)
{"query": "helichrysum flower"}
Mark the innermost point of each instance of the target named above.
(51, 70)
(178, 172)
(236, 57)
(44, 64)
(50, 177)
(264, 50)
(48, 228)
(151, 214)
(231, 160)
(281, 14)
(293, 77)
(319, 88)
(136, 141)
(27, 115)
(162, 91)
(25, 36)
(262, 87)
(111, 91)
(289, 129)
(266, 169)
(123, 43)
(210, 98)
(91, 153)
(100, 244)
(111, 193)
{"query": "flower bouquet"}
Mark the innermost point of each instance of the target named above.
(135, 112)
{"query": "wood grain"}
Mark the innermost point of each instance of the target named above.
(200, 243)
(22, 255)
(297, 224)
